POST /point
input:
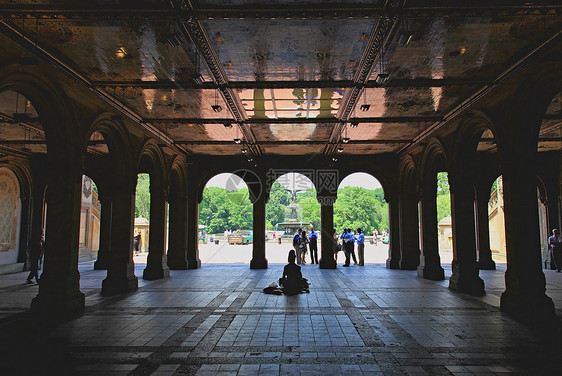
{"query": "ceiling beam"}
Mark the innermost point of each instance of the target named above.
(366, 120)
(295, 12)
(297, 142)
(190, 85)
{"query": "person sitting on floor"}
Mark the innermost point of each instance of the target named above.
(292, 281)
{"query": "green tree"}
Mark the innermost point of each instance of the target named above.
(360, 207)
(443, 196)
(310, 207)
(275, 208)
(220, 209)
(142, 196)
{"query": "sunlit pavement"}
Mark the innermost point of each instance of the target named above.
(277, 253)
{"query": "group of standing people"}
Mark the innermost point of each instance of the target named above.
(347, 245)
(302, 242)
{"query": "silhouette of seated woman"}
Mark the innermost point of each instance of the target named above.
(292, 281)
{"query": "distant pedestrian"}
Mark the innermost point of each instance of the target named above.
(296, 239)
(361, 247)
(555, 243)
(137, 242)
(351, 236)
(313, 245)
(34, 260)
(337, 245)
(303, 242)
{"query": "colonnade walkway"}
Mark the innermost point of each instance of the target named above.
(216, 320)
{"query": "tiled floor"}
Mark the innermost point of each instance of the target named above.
(216, 321)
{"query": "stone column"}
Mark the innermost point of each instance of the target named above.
(430, 262)
(193, 261)
(485, 261)
(177, 235)
(59, 295)
(106, 202)
(327, 260)
(258, 247)
(393, 261)
(524, 296)
(464, 276)
(36, 222)
(156, 265)
(25, 228)
(119, 256)
(409, 230)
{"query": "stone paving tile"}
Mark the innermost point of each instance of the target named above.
(356, 321)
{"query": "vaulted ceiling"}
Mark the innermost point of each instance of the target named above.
(285, 77)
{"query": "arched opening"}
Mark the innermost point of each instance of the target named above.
(444, 221)
(10, 220)
(225, 221)
(292, 205)
(361, 205)
(90, 221)
(22, 218)
(141, 231)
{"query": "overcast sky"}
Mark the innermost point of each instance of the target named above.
(292, 180)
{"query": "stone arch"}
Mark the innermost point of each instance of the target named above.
(407, 171)
(434, 154)
(469, 134)
(152, 160)
(57, 117)
(117, 139)
(525, 113)
(178, 175)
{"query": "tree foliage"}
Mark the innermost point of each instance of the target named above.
(360, 207)
(443, 196)
(142, 196)
(220, 210)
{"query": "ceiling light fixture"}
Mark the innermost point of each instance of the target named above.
(345, 140)
(354, 124)
(121, 53)
(340, 150)
(365, 107)
(227, 125)
(381, 77)
(244, 150)
(237, 140)
(334, 159)
(216, 107)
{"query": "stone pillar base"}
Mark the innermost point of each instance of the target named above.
(113, 286)
(258, 263)
(391, 264)
(486, 265)
(435, 273)
(177, 264)
(153, 273)
(193, 264)
(468, 285)
(58, 308)
(328, 263)
(409, 264)
(535, 309)
(100, 265)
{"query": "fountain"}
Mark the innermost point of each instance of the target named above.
(292, 223)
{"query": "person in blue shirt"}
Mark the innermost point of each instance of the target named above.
(361, 247)
(351, 236)
(296, 239)
(313, 245)
(345, 246)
